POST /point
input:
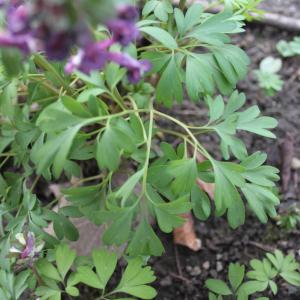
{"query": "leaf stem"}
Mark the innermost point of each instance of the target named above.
(182, 4)
(149, 142)
(182, 125)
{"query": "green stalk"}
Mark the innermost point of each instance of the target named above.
(149, 142)
(182, 4)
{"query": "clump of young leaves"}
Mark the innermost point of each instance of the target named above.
(248, 8)
(62, 272)
(262, 278)
(288, 49)
(290, 218)
(267, 76)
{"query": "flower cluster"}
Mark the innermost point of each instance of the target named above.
(31, 27)
(95, 55)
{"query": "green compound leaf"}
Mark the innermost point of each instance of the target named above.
(287, 49)
(168, 213)
(161, 9)
(64, 257)
(117, 137)
(160, 35)
(46, 269)
(135, 280)
(48, 293)
(169, 88)
(218, 286)
(184, 172)
(236, 275)
(201, 203)
(105, 263)
(215, 28)
(145, 241)
(86, 275)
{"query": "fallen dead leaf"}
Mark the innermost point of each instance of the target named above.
(185, 235)
(90, 234)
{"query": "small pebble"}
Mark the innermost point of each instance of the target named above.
(195, 271)
(219, 266)
(167, 281)
(206, 265)
(219, 256)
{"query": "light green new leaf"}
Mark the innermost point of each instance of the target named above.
(87, 276)
(218, 286)
(254, 286)
(46, 269)
(292, 277)
(236, 275)
(64, 257)
(216, 108)
(232, 61)
(193, 16)
(47, 293)
(287, 49)
(214, 29)
(135, 280)
(161, 9)
(75, 107)
(105, 263)
(160, 35)
(56, 117)
(249, 121)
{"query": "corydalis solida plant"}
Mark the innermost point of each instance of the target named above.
(99, 107)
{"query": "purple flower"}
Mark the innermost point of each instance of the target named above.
(123, 32)
(93, 57)
(123, 28)
(58, 45)
(18, 34)
(29, 247)
(18, 19)
(135, 68)
(24, 43)
(127, 13)
(26, 246)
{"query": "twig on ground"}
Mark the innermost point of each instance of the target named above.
(287, 155)
(266, 248)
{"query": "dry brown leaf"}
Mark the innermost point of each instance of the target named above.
(185, 235)
(90, 234)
